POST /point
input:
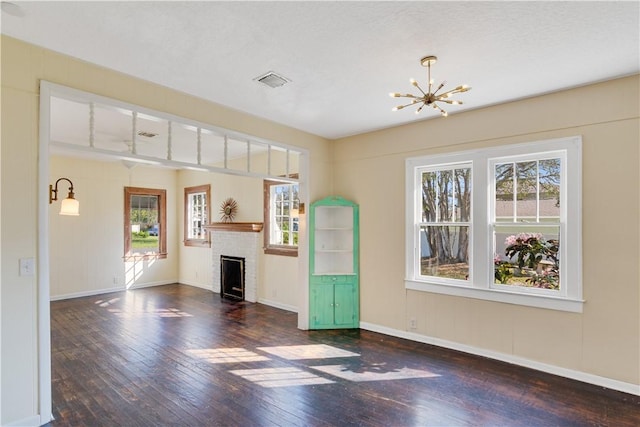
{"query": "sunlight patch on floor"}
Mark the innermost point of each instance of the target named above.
(103, 303)
(280, 377)
(158, 312)
(372, 372)
(226, 355)
(312, 351)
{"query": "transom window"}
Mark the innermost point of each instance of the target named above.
(281, 218)
(501, 224)
(196, 215)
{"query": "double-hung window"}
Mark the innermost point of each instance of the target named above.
(196, 215)
(145, 219)
(445, 221)
(501, 224)
(281, 204)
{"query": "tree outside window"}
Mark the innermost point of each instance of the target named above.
(445, 223)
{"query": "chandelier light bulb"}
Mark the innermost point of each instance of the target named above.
(430, 98)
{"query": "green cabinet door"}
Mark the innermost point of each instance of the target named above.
(344, 304)
(323, 308)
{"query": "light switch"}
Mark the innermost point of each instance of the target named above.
(27, 266)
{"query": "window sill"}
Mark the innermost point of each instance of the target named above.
(531, 300)
(198, 243)
(140, 256)
(281, 251)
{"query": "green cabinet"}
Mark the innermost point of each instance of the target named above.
(333, 264)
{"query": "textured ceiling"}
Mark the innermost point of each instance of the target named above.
(342, 58)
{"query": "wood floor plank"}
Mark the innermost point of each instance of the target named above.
(149, 357)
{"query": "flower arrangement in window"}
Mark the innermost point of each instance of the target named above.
(536, 260)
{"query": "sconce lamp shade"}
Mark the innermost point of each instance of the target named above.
(70, 206)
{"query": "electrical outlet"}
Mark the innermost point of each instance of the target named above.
(27, 266)
(412, 323)
(115, 280)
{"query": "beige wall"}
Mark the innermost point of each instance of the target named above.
(23, 66)
(602, 341)
(605, 339)
(86, 251)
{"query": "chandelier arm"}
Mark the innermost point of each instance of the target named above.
(440, 87)
(400, 107)
(450, 92)
(444, 113)
(420, 89)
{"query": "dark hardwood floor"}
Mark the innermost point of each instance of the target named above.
(177, 355)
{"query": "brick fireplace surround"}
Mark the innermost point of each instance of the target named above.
(237, 239)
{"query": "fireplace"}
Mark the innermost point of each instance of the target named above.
(232, 277)
(240, 240)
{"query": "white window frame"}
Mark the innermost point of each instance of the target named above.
(481, 275)
(191, 193)
(272, 234)
(419, 224)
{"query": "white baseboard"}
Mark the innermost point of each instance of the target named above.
(279, 305)
(32, 421)
(86, 293)
(109, 290)
(197, 285)
(509, 358)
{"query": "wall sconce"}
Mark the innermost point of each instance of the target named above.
(69, 206)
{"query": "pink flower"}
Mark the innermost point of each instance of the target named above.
(521, 237)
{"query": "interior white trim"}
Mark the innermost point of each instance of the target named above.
(509, 358)
(44, 292)
(498, 295)
(481, 281)
(276, 304)
(48, 89)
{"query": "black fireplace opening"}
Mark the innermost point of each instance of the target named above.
(232, 277)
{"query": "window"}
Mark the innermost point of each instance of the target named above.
(445, 222)
(145, 217)
(281, 206)
(500, 224)
(196, 215)
(526, 197)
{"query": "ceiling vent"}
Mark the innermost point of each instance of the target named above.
(272, 79)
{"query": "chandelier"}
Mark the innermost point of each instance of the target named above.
(429, 98)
